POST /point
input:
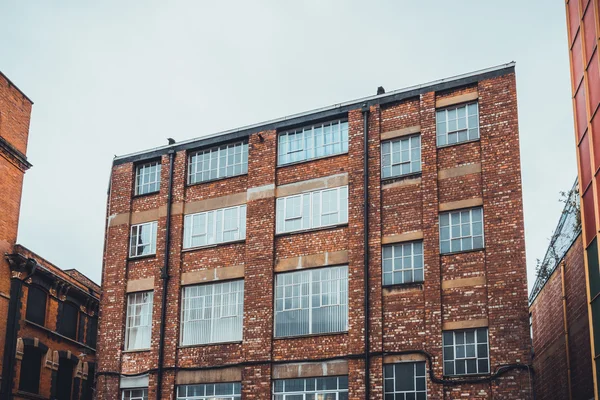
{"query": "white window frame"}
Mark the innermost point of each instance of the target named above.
(223, 160)
(312, 210)
(310, 388)
(461, 232)
(314, 141)
(198, 225)
(135, 236)
(144, 395)
(477, 356)
(294, 291)
(449, 135)
(392, 155)
(387, 377)
(398, 263)
(139, 308)
(209, 391)
(147, 180)
(212, 307)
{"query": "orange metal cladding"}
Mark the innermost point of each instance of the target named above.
(583, 27)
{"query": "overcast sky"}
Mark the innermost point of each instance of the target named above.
(113, 77)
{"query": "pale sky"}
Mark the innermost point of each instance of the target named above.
(112, 77)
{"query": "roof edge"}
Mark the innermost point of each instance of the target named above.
(319, 113)
(11, 83)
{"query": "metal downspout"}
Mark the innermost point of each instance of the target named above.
(366, 247)
(165, 278)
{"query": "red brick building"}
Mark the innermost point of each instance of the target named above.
(583, 26)
(257, 263)
(559, 315)
(48, 337)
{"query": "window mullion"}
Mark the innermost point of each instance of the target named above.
(310, 300)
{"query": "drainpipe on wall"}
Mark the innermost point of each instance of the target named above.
(164, 275)
(566, 327)
(366, 245)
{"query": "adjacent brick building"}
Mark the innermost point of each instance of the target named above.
(48, 334)
(235, 263)
(559, 315)
(583, 26)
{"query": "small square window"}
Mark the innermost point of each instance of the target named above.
(457, 124)
(401, 156)
(466, 352)
(461, 230)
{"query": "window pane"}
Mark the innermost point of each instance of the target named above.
(212, 313)
(311, 301)
(329, 388)
(143, 239)
(219, 162)
(405, 380)
(457, 124)
(147, 178)
(461, 230)
(216, 226)
(312, 210)
(139, 321)
(313, 141)
(403, 263)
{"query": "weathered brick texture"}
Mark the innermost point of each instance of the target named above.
(402, 318)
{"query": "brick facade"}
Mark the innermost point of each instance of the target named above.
(484, 287)
(554, 349)
(21, 270)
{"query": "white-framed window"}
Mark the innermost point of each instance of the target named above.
(212, 313)
(326, 388)
(210, 391)
(138, 324)
(135, 394)
(405, 380)
(466, 352)
(403, 263)
(143, 239)
(457, 124)
(401, 156)
(313, 141)
(461, 230)
(218, 162)
(147, 178)
(215, 226)
(311, 301)
(312, 209)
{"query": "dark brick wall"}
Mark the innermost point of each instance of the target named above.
(549, 344)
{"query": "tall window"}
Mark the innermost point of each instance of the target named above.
(401, 156)
(466, 352)
(457, 124)
(92, 332)
(143, 239)
(461, 230)
(403, 263)
(327, 388)
(210, 391)
(212, 313)
(216, 226)
(312, 210)
(36, 305)
(68, 320)
(64, 378)
(31, 365)
(405, 381)
(218, 162)
(138, 326)
(147, 178)
(313, 141)
(135, 394)
(311, 301)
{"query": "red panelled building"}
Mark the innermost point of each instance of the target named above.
(373, 249)
(583, 23)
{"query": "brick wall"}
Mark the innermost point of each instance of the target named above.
(549, 341)
(402, 318)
